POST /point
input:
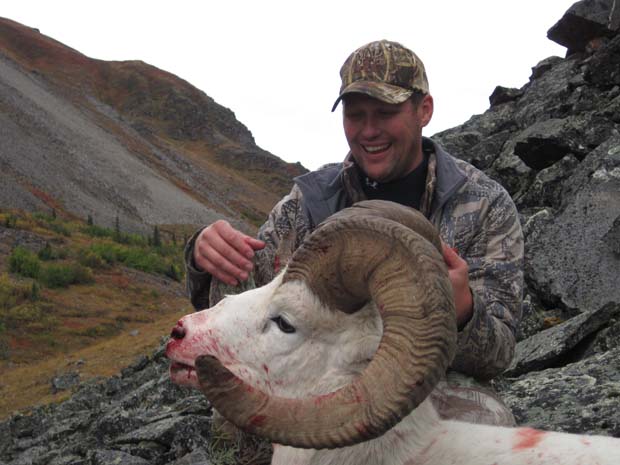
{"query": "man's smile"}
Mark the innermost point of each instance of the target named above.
(376, 148)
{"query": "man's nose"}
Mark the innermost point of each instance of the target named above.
(371, 129)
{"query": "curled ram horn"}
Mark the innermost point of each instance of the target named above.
(374, 251)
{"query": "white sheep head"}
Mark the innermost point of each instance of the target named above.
(340, 347)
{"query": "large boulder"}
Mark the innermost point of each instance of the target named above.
(571, 261)
(584, 22)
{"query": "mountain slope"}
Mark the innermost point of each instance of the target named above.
(91, 137)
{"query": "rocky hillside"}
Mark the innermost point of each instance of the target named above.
(90, 137)
(555, 144)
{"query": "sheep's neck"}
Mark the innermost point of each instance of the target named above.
(407, 439)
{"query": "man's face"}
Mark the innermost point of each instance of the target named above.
(385, 139)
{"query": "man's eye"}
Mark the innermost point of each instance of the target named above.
(284, 325)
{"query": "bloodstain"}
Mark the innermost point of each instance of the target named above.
(276, 264)
(257, 420)
(585, 442)
(528, 438)
(318, 400)
(362, 429)
(266, 368)
(356, 395)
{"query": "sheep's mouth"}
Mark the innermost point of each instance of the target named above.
(180, 373)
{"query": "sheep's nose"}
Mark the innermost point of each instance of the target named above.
(178, 332)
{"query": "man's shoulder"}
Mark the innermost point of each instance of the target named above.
(478, 182)
(324, 173)
(322, 182)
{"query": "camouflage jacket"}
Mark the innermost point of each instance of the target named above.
(473, 214)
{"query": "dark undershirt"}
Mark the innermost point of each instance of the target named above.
(405, 191)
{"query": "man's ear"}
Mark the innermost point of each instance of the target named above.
(426, 109)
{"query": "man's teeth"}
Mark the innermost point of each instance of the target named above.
(376, 148)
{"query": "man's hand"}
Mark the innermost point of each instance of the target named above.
(458, 271)
(225, 252)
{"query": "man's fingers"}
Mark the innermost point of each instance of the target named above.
(450, 256)
(235, 239)
(217, 265)
(256, 244)
(226, 253)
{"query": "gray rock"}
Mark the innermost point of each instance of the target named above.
(116, 457)
(544, 143)
(65, 381)
(577, 237)
(582, 397)
(543, 66)
(197, 457)
(555, 346)
(503, 95)
(607, 339)
(546, 188)
(584, 21)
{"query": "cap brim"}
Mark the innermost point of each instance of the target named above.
(385, 92)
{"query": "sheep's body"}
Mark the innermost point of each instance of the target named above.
(327, 350)
(423, 439)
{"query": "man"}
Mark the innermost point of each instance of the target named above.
(386, 104)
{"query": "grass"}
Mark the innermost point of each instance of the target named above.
(78, 297)
(24, 385)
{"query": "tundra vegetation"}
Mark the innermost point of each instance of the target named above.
(68, 285)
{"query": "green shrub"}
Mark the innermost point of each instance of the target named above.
(24, 262)
(51, 222)
(60, 275)
(173, 272)
(97, 231)
(143, 260)
(10, 221)
(106, 251)
(46, 252)
(59, 228)
(24, 313)
(91, 259)
(12, 293)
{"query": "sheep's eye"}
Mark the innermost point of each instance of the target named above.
(284, 325)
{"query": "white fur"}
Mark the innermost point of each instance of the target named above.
(327, 351)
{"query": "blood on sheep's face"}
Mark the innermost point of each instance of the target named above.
(278, 338)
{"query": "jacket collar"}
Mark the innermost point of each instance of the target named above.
(323, 189)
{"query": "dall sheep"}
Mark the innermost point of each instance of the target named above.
(334, 359)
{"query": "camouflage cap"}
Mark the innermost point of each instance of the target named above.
(385, 70)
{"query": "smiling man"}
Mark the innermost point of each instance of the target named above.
(386, 104)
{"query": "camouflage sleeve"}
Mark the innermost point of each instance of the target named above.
(197, 282)
(495, 257)
(282, 232)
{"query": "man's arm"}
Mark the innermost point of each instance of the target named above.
(486, 341)
(272, 248)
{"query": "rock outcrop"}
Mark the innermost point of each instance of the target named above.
(555, 145)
